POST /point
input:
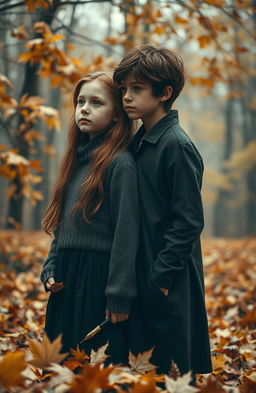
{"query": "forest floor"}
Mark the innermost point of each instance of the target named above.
(25, 355)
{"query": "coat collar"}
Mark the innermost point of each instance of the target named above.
(156, 131)
(86, 147)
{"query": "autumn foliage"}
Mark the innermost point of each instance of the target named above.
(29, 362)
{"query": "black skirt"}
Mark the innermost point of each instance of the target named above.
(81, 305)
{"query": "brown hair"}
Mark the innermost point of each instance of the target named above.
(158, 67)
(117, 139)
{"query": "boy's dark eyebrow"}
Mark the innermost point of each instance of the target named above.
(132, 83)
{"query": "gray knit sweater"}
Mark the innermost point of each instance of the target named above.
(113, 229)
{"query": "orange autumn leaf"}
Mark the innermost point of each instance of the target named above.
(11, 366)
(179, 19)
(19, 33)
(36, 164)
(158, 30)
(79, 354)
(57, 37)
(203, 81)
(204, 40)
(46, 353)
(33, 4)
(216, 3)
(91, 380)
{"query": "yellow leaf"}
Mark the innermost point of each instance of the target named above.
(49, 150)
(179, 19)
(216, 3)
(46, 352)
(52, 122)
(24, 57)
(158, 30)
(70, 46)
(56, 80)
(57, 37)
(204, 40)
(36, 164)
(203, 81)
(11, 366)
(111, 40)
(37, 195)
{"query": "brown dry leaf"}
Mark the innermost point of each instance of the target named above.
(91, 379)
(140, 363)
(99, 356)
(248, 386)
(180, 385)
(46, 353)
(212, 386)
(11, 366)
(77, 354)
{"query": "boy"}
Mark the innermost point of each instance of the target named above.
(170, 168)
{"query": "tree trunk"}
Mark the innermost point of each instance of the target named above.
(30, 86)
(221, 216)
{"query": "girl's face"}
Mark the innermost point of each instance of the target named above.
(94, 108)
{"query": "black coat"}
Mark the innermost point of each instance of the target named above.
(170, 172)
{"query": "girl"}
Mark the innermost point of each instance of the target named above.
(94, 217)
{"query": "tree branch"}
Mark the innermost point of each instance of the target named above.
(7, 7)
(84, 2)
(230, 16)
(105, 46)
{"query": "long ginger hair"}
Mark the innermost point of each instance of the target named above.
(92, 189)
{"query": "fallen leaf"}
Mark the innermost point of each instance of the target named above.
(11, 366)
(140, 363)
(46, 353)
(99, 356)
(180, 385)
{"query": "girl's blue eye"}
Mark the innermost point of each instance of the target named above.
(96, 102)
(80, 101)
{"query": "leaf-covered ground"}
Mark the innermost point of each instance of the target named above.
(29, 362)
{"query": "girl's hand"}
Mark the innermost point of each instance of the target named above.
(116, 316)
(165, 291)
(49, 282)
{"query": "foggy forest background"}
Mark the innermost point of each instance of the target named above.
(45, 46)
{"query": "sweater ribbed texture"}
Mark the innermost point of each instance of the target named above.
(114, 228)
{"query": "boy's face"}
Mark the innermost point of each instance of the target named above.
(140, 103)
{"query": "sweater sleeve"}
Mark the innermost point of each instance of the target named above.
(185, 173)
(49, 265)
(124, 210)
